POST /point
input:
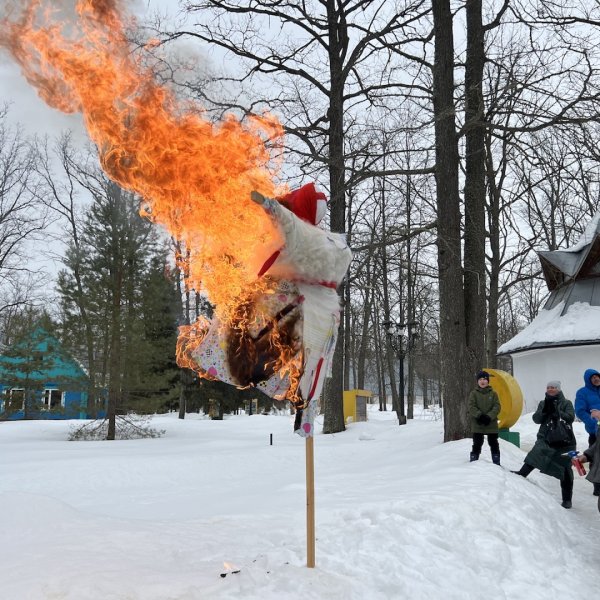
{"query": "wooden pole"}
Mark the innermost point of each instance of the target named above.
(310, 502)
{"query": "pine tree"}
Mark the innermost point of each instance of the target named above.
(114, 277)
(153, 386)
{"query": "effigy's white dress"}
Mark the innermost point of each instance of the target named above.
(308, 269)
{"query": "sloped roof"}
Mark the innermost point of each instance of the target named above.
(559, 266)
(59, 366)
(579, 261)
(571, 315)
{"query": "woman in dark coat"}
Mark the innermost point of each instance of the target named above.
(552, 461)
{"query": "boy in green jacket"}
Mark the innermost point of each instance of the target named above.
(484, 407)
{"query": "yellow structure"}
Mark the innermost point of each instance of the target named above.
(511, 397)
(355, 405)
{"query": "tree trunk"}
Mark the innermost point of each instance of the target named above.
(114, 370)
(452, 313)
(474, 250)
(389, 352)
(116, 276)
(363, 343)
(380, 370)
(349, 335)
(410, 391)
(402, 351)
(28, 403)
(347, 350)
(410, 306)
(366, 322)
(333, 421)
(494, 284)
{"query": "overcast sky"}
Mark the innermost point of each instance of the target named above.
(27, 109)
(35, 117)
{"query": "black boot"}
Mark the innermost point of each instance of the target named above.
(473, 456)
(496, 458)
(524, 470)
(298, 418)
(566, 488)
(596, 489)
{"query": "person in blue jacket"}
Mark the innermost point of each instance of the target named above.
(587, 408)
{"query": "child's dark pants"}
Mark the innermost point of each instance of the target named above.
(492, 441)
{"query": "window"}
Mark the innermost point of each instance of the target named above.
(53, 399)
(15, 400)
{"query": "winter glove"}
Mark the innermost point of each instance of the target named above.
(484, 419)
(549, 405)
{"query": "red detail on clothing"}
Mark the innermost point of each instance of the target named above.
(303, 202)
(269, 263)
(315, 379)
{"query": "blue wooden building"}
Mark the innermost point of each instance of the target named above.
(40, 380)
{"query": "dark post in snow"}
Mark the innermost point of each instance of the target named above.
(397, 334)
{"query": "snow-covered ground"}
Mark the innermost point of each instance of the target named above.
(400, 515)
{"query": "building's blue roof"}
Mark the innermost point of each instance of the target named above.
(59, 365)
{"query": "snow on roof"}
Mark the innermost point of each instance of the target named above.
(588, 235)
(580, 323)
(572, 264)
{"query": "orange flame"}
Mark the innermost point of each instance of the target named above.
(194, 176)
(255, 342)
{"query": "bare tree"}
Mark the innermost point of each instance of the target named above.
(62, 195)
(452, 313)
(285, 47)
(23, 219)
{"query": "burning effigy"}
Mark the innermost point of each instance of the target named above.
(316, 261)
(265, 266)
(281, 340)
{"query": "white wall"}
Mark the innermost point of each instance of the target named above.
(534, 368)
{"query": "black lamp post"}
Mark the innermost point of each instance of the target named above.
(402, 339)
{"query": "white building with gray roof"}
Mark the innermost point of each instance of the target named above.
(564, 339)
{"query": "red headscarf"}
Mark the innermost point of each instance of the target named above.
(303, 202)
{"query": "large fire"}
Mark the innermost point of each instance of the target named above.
(194, 176)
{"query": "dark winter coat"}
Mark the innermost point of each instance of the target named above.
(484, 401)
(551, 461)
(593, 455)
(587, 399)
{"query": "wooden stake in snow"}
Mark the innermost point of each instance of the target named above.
(310, 502)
